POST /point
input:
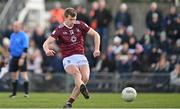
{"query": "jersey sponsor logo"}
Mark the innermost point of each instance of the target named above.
(73, 39)
(71, 32)
(65, 33)
(77, 30)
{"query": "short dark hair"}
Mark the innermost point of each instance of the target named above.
(70, 11)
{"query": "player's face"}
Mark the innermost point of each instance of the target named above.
(70, 20)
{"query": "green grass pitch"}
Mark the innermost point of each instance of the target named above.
(97, 100)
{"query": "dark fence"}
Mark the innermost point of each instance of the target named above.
(99, 82)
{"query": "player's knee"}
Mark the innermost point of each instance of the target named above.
(25, 79)
(76, 74)
(15, 76)
(25, 76)
(85, 79)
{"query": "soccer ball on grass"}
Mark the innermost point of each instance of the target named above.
(129, 94)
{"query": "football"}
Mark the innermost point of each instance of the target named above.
(129, 94)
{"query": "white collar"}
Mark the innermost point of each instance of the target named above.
(67, 26)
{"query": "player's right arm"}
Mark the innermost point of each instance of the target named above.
(46, 46)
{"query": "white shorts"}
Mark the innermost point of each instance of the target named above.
(77, 59)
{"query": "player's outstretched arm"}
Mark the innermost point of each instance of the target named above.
(46, 46)
(96, 37)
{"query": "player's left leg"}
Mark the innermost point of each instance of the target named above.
(85, 72)
(26, 83)
(84, 69)
(25, 78)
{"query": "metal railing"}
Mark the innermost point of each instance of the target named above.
(99, 82)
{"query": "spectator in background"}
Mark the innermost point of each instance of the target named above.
(8, 31)
(108, 60)
(109, 57)
(117, 47)
(163, 43)
(124, 63)
(129, 33)
(94, 8)
(137, 59)
(147, 44)
(4, 56)
(57, 14)
(147, 41)
(1, 37)
(4, 49)
(82, 15)
(154, 56)
(173, 61)
(177, 27)
(121, 33)
(39, 37)
(105, 63)
(176, 48)
(122, 17)
(103, 17)
(135, 50)
(171, 23)
(175, 78)
(161, 74)
(132, 44)
(35, 58)
(35, 62)
(155, 27)
(149, 15)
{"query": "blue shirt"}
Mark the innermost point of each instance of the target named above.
(18, 42)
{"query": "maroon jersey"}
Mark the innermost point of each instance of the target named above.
(71, 39)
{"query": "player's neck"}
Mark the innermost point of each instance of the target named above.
(66, 25)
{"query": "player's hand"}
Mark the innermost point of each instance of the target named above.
(21, 62)
(96, 53)
(50, 52)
